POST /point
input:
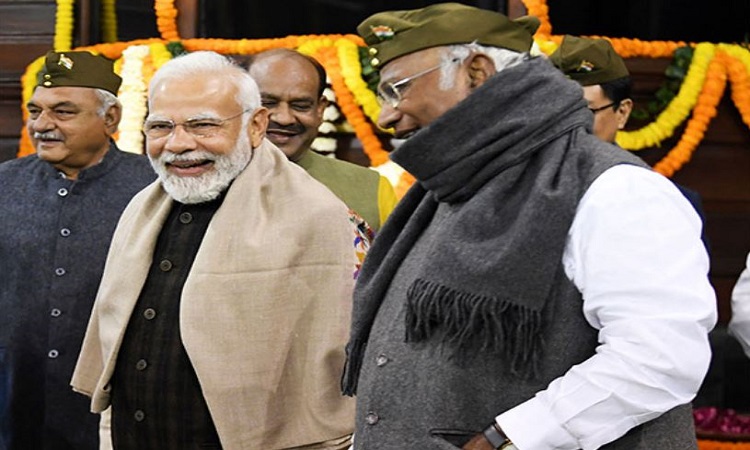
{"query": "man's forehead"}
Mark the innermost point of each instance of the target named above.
(68, 94)
(405, 65)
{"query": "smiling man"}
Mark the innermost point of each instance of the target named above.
(58, 210)
(223, 309)
(291, 87)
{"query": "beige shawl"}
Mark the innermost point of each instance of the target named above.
(264, 312)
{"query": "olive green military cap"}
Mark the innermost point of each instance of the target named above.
(589, 61)
(79, 69)
(392, 34)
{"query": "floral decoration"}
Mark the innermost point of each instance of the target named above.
(109, 21)
(713, 65)
(63, 26)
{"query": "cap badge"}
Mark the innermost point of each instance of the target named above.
(382, 32)
(585, 66)
(65, 62)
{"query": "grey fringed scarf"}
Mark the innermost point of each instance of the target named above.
(516, 158)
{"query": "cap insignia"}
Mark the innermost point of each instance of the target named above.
(382, 32)
(585, 66)
(65, 62)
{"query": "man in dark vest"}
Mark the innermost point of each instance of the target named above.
(537, 288)
(291, 86)
(59, 210)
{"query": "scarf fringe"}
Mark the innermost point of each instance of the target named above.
(355, 352)
(471, 324)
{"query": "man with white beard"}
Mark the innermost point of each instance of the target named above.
(223, 310)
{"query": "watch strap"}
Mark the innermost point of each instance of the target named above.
(495, 436)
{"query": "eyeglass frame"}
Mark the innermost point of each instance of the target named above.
(219, 123)
(395, 86)
(602, 108)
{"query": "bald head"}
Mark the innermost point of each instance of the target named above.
(291, 87)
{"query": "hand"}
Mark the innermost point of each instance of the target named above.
(478, 442)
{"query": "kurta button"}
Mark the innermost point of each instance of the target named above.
(139, 415)
(381, 360)
(59, 271)
(65, 232)
(141, 364)
(186, 217)
(165, 265)
(149, 313)
(62, 192)
(371, 418)
(55, 312)
(53, 354)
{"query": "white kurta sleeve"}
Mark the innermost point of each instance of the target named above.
(739, 325)
(635, 253)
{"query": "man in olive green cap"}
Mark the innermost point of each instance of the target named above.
(59, 210)
(595, 65)
(513, 298)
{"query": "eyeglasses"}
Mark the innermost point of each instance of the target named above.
(602, 108)
(200, 128)
(391, 93)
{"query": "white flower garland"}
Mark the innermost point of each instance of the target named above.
(132, 94)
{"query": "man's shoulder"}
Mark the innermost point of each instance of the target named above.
(135, 165)
(345, 166)
(19, 167)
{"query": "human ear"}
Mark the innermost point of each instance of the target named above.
(480, 68)
(623, 112)
(256, 128)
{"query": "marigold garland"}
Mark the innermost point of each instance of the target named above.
(371, 145)
(700, 93)
(166, 19)
(705, 444)
(351, 69)
(109, 21)
(63, 26)
(677, 110)
(705, 110)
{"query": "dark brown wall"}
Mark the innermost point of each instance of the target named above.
(26, 32)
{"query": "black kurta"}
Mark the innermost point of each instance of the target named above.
(54, 237)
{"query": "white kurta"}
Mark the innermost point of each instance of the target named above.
(634, 251)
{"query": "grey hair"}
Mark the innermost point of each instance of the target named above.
(106, 100)
(210, 65)
(503, 59)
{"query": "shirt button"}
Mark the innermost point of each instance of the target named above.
(165, 265)
(141, 364)
(149, 313)
(55, 312)
(139, 415)
(65, 232)
(59, 271)
(371, 418)
(186, 217)
(53, 354)
(62, 192)
(381, 360)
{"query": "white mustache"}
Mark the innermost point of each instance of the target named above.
(47, 135)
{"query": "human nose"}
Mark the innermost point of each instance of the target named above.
(388, 116)
(179, 140)
(282, 114)
(43, 122)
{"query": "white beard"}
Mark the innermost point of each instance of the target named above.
(208, 186)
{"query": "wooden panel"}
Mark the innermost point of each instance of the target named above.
(8, 148)
(25, 18)
(17, 55)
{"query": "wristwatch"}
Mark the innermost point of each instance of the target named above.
(495, 436)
